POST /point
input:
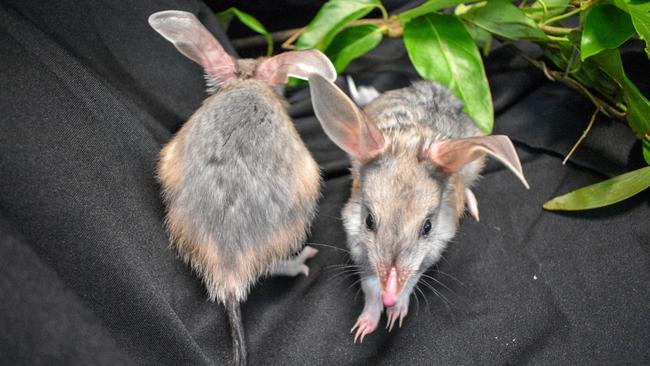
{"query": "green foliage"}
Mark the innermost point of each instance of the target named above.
(503, 18)
(441, 49)
(639, 12)
(543, 10)
(429, 7)
(638, 106)
(606, 27)
(226, 16)
(352, 43)
(604, 193)
(331, 19)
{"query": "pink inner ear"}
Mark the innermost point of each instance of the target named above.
(299, 64)
(452, 155)
(194, 41)
(344, 122)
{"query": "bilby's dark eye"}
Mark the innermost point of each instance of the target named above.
(370, 222)
(426, 228)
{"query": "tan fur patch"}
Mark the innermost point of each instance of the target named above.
(307, 181)
(169, 165)
(233, 279)
(459, 195)
(169, 168)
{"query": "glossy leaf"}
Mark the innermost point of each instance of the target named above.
(604, 193)
(330, 19)
(503, 18)
(639, 11)
(482, 37)
(430, 6)
(352, 43)
(442, 50)
(646, 151)
(638, 106)
(226, 16)
(605, 27)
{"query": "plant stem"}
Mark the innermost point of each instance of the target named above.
(384, 13)
(562, 16)
(582, 137)
(557, 31)
(393, 26)
(552, 75)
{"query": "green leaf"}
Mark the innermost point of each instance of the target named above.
(605, 27)
(604, 193)
(441, 50)
(482, 37)
(639, 11)
(541, 10)
(640, 14)
(503, 18)
(226, 16)
(330, 19)
(646, 151)
(587, 72)
(352, 43)
(638, 106)
(430, 6)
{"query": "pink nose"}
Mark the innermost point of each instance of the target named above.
(389, 296)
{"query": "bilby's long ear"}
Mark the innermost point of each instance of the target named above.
(193, 40)
(299, 64)
(344, 122)
(452, 155)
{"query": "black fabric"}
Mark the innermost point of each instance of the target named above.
(89, 95)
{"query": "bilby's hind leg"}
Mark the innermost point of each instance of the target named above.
(294, 266)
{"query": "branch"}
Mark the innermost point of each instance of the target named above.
(391, 27)
(604, 107)
(582, 137)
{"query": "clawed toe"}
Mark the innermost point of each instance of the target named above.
(394, 313)
(364, 326)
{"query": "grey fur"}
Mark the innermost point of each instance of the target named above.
(410, 187)
(239, 185)
(402, 188)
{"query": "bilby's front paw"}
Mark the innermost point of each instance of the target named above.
(366, 324)
(398, 311)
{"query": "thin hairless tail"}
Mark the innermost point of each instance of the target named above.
(236, 332)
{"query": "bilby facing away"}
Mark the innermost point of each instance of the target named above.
(239, 185)
(415, 156)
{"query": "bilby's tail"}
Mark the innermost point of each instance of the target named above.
(236, 333)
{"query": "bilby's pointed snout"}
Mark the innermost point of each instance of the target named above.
(391, 289)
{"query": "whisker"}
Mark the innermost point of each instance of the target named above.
(417, 302)
(439, 282)
(356, 294)
(329, 246)
(331, 217)
(444, 299)
(346, 265)
(354, 283)
(450, 276)
(342, 276)
(424, 296)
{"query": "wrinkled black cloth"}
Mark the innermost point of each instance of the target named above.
(90, 93)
